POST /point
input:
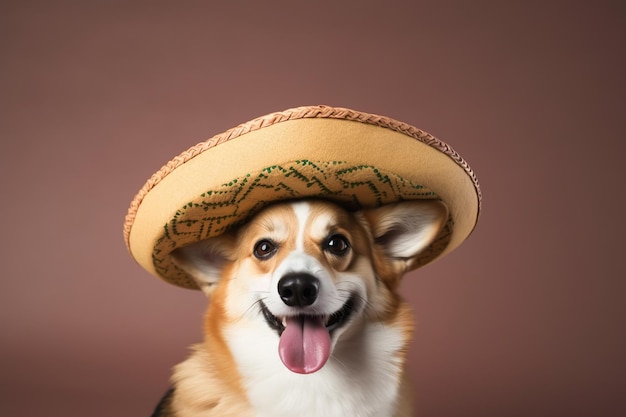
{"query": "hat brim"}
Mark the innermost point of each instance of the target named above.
(354, 158)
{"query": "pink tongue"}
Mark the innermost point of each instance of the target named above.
(304, 345)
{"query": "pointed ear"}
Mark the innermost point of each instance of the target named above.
(404, 229)
(205, 261)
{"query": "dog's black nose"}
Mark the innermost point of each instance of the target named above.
(298, 290)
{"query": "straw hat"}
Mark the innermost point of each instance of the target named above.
(354, 158)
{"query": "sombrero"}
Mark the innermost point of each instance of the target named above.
(357, 159)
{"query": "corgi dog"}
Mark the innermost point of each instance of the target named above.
(304, 317)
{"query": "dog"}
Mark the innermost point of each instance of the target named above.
(304, 317)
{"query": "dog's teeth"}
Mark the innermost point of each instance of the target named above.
(284, 321)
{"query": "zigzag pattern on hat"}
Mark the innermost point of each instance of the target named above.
(216, 211)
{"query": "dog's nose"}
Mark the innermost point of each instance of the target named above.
(298, 290)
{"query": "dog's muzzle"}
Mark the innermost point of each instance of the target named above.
(305, 339)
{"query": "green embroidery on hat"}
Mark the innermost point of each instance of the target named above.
(215, 211)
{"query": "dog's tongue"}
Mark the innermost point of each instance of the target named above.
(304, 345)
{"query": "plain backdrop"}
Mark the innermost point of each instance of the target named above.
(526, 318)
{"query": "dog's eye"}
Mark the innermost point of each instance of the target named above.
(264, 249)
(337, 244)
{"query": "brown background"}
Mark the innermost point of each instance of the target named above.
(527, 318)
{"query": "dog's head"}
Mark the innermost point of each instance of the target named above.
(311, 272)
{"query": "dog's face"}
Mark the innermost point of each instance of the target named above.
(310, 273)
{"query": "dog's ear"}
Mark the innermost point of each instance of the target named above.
(404, 229)
(205, 260)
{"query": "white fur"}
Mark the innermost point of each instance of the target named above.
(302, 211)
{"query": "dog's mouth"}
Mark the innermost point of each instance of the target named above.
(332, 322)
(305, 340)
